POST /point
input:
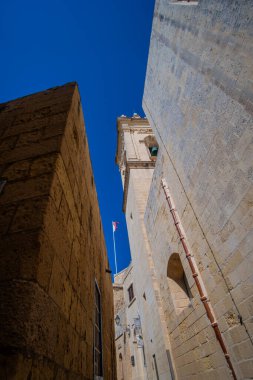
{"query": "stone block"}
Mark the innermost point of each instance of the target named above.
(246, 368)
(8, 143)
(42, 165)
(22, 259)
(58, 277)
(29, 138)
(29, 214)
(7, 213)
(45, 262)
(21, 370)
(57, 234)
(17, 170)
(25, 189)
(56, 191)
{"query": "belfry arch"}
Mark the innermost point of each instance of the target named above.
(152, 146)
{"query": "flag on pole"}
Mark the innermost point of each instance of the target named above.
(114, 228)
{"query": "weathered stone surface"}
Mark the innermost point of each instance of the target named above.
(52, 247)
(198, 98)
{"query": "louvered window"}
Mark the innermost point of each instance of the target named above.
(131, 293)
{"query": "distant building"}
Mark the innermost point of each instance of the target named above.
(131, 362)
(56, 294)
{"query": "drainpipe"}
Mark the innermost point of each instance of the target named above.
(195, 275)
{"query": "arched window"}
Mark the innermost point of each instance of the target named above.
(152, 146)
(178, 285)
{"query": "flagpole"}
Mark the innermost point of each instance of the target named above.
(114, 247)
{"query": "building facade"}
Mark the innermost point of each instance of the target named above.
(136, 157)
(131, 361)
(199, 101)
(56, 311)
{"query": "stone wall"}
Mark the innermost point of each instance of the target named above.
(52, 246)
(145, 277)
(198, 98)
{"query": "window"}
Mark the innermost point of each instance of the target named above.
(130, 292)
(153, 150)
(144, 356)
(178, 284)
(98, 364)
(152, 146)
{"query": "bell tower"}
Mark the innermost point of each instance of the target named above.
(136, 155)
(137, 151)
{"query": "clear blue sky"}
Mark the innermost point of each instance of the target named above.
(103, 45)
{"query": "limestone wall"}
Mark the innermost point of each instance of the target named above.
(198, 98)
(52, 246)
(147, 294)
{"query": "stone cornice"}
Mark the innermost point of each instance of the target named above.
(137, 128)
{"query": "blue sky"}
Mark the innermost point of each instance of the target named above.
(103, 45)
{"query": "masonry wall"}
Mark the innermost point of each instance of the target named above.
(52, 246)
(199, 101)
(144, 274)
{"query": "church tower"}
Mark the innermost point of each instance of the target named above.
(136, 156)
(137, 151)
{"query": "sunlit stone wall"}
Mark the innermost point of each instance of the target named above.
(199, 101)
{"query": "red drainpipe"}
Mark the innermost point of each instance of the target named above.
(195, 275)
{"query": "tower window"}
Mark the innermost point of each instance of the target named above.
(98, 363)
(152, 146)
(131, 292)
(153, 150)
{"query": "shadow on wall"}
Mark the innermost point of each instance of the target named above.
(178, 284)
